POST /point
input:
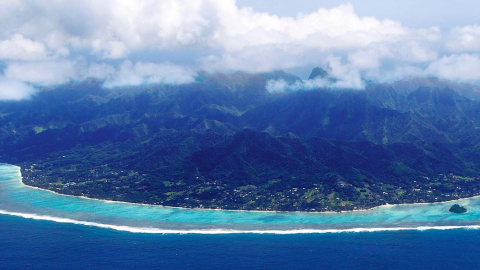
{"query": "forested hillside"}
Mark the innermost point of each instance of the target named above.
(226, 142)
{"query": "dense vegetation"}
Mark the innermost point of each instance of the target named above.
(457, 209)
(226, 142)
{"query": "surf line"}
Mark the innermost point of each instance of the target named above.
(149, 230)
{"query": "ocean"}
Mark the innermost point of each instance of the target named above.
(43, 230)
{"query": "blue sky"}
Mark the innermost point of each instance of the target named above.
(137, 42)
(419, 13)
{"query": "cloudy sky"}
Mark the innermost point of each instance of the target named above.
(135, 42)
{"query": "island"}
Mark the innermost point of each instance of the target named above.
(227, 141)
(457, 209)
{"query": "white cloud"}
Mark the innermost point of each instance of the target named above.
(114, 28)
(326, 29)
(130, 74)
(465, 39)
(47, 73)
(257, 41)
(340, 76)
(414, 52)
(366, 59)
(54, 42)
(20, 48)
(278, 86)
(347, 75)
(42, 73)
(463, 68)
(14, 90)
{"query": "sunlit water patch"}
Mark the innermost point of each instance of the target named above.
(20, 200)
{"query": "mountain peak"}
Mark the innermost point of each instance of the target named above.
(318, 72)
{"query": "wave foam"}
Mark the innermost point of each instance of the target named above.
(150, 230)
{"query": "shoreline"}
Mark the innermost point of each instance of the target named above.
(225, 230)
(234, 210)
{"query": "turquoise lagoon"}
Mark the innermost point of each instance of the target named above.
(19, 200)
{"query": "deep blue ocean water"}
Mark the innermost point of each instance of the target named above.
(33, 244)
(43, 230)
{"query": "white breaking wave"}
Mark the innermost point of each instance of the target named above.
(151, 230)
